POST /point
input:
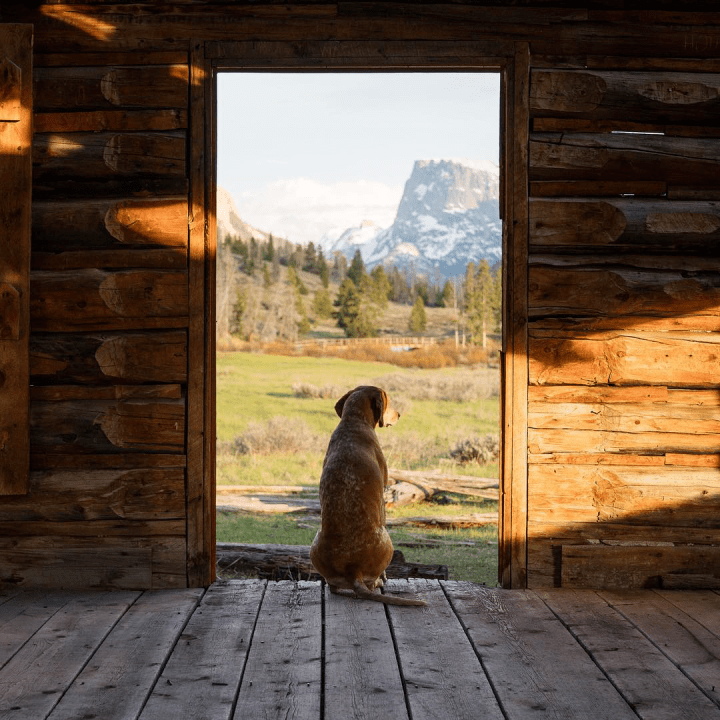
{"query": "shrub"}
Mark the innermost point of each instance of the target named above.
(460, 386)
(308, 390)
(278, 435)
(482, 451)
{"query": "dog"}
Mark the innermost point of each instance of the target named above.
(352, 548)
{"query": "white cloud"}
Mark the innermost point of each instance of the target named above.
(304, 210)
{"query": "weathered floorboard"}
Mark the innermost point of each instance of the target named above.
(36, 677)
(647, 679)
(362, 677)
(123, 670)
(680, 637)
(527, 653)
(442, 675)
(283, 673)
(202, 676)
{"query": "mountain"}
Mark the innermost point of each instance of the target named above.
(229, 222)
(448, 216)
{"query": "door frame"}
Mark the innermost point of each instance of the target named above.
(509, 59)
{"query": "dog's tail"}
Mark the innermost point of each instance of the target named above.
(361, 591)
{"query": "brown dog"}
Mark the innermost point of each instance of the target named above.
(352, 548)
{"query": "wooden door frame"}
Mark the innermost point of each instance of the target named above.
(207, 59)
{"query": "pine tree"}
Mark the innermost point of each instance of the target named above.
(381, 287)
(322, 268)
(356, 313)
(269, 253)
(322, 305)
(418, 316)
(356, 271)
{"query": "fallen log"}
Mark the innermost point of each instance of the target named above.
(415, 486)
(292, 562)
(451, 521)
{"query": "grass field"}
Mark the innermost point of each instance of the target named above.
(268, 435)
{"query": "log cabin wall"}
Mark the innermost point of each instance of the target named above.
(623, 310)
(611, 394)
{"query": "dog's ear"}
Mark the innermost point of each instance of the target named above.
(379, 401)
(340, 404)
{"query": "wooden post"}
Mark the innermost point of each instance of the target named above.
(513, 554)
(16, 184)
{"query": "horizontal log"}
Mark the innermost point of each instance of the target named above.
(607, 126)
(106, 426)
(661, 97)
(168, 536)
(108, 86)
(545, 541)
(71, 567)
(427, 478)
(137, 57)
(629, 417)
(627, 568)
(109, 357)
(108, 155)
(361, 54)
(64, 301)
(112, 187)
(110, 121)
(68, 496)
(109, 224)
(121, 259)
(107, 392)
(633, 495)
(281, 562)
(58, 561)
(111, 461)
(561, 156)
(708, 460)
(660, 224)
(544, 441)
(621, 292)
(689, 581)
(596, 188)
(672, 359)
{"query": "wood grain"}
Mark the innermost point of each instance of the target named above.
(125, 667)
(581, 156)
(441, 673)
(97, 299)
(647, 679)
(204, 670)
(526, 651)
(283, 673)
(102, 358)
(15, 181)
(109, 86)
(106, 426)
(663, 97)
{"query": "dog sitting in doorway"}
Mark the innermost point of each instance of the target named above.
(352, 548)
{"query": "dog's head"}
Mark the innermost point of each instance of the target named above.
(374, 398)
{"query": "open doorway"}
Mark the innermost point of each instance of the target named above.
(359, 242)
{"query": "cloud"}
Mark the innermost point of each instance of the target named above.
(304, 210)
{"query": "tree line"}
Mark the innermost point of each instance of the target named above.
(361, 299)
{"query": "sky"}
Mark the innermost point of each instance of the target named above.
(305, 154)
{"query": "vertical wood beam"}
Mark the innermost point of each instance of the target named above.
(514, 494)
(16, 186)
(200, 475)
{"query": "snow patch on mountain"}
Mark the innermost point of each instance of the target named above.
(448, 216)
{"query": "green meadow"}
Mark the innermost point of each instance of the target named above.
(275, 414)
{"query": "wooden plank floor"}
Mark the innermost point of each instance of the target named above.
(251, 649)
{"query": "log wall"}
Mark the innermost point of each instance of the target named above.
(623, 320)
(610, 201)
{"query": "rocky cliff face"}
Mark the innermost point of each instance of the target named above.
(447, 217)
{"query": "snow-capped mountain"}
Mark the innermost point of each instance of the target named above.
(448, 216)
(348, 241)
